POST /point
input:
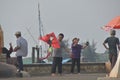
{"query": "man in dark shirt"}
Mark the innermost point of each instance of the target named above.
(113, 43)
(57, 55)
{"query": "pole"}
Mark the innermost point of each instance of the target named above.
(40, 29)
(37, 49)
(33, 54)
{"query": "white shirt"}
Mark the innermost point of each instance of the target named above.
(22, 43)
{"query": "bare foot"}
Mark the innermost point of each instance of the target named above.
(53, 74)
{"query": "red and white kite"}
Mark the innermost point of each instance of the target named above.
(51, 40)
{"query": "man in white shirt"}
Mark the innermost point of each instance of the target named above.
(21, 50)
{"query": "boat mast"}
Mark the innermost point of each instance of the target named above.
(40, 30)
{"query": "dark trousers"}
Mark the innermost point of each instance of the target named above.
(57, 63)
(20, 63)
(113, 59)
(74, 60)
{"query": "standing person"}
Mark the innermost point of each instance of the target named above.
(76, 54)
(21, 50)
(113, 43)
(57, 55)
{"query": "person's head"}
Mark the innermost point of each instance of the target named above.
(75, 40)
(18, 34)
(112, 32)
(60, 36)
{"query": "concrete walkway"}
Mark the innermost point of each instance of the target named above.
(84, 76)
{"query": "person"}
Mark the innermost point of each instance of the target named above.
(21, 50)
(57, 55)
(8, 52)
(76, 54)
(111, 44)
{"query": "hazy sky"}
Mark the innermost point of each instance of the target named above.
(74, 18)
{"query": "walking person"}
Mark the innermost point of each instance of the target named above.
(57, 56)
(21, 50)
(76, 54)
(111, 44)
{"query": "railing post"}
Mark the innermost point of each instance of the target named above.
(37, 54)
(33, 54)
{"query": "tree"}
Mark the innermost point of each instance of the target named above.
(66, 54)
(89, 53)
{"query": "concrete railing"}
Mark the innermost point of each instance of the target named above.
(2, 57)
(44, 69)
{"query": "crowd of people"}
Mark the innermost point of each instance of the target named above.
(111, 44)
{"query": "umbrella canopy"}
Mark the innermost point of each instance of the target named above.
(113, 24)
(51, 40)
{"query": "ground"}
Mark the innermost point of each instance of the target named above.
(83, 76)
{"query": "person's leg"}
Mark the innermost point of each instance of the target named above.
(54, 64)
(8, 60)
(110, 58)
(72, 65)
(78, 64)
(20, 63)
(114, 59)
(60, 65)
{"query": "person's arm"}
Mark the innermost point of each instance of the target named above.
(17, 47)
(104, 44)
(119, 47)
(86, 45)
(118, 44)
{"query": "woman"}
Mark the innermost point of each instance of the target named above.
(76, 54)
